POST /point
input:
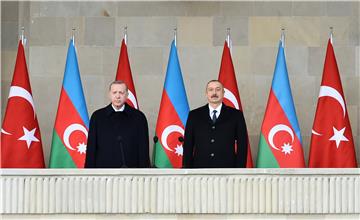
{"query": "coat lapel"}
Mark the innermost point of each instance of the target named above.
(110, 113)
(223, 113)
(205, 113)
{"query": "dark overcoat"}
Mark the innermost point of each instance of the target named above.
(118, 139)
(209, 145)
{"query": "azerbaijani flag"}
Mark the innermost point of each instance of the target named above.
(280, 138)
(173, 113)
(68, 147)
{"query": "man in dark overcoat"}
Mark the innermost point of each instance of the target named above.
(118, 134)
(215, 134)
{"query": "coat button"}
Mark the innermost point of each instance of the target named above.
(212, 140)
(212, 154)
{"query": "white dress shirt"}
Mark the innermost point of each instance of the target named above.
(211, 110)
(118, 110)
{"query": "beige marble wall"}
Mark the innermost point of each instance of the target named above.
(255, 29)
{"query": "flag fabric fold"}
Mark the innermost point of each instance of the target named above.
(332, 143)
(231, 97)
(68, 148)
(173, 113)
(124, 74)
(280, 138)
(21, 145)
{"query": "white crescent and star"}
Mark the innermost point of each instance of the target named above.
(16, 91)
(276, 129)
(316, 133)
(327, 91)
(333, 93)
(5, 132)
(29, 137)
(338, 136)
(132, 99)
(167, 131)
(231, 97)
(69, 130)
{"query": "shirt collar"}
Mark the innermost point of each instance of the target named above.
(110, 109)
(218, 109)
(118, 110)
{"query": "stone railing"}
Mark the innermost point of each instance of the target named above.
(271, 191)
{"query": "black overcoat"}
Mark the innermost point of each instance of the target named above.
(209, 145)
(118, 139)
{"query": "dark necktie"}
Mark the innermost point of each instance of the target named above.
(214, 117)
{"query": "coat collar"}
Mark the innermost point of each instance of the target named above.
(110, 110)
(223, 112)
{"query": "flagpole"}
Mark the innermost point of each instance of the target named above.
(175, 35)
(125, 34)
(282, 38)
(73, 36)
(331, 34)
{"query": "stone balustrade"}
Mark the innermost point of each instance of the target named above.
(154, 191)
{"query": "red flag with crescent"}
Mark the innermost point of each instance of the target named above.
(21, 145)
(124, 74)
(332, 143)
(231, 98)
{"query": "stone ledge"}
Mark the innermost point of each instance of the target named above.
(180, 191)
(154, 171)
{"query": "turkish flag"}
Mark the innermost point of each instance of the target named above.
(124, 74)
(332, 142)
(20, 134)
(232, 97)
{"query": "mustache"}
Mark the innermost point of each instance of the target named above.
(214, 96)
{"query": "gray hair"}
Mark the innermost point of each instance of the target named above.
(118, 82)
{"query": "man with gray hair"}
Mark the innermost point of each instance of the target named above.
(118, 134)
